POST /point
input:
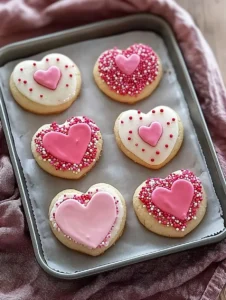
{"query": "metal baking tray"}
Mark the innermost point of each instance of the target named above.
(145, 22)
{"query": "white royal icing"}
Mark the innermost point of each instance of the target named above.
(58, 96)
(133, 125)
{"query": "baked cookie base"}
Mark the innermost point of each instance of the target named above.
(81, 248)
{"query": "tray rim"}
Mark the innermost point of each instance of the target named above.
(19, 173)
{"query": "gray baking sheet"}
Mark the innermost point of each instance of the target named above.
(113, 167)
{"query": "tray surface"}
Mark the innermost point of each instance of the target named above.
(139, 22)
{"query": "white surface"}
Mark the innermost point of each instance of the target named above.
(113, 167)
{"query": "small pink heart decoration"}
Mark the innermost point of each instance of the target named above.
(127, 64)
(90, 224)
(175, 201)
(151, 134)
(69, 148)
(49, 78)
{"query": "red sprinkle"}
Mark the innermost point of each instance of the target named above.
(130, 118)
(130, 131)
(166, 145)
(41, 96)
(138, 111)
(171, 135)
(157, 152)
(47, 59)
(143, 149)
(129, 138)
(173, 119)
(58, 59)
(25, 81)
(168, 123)
(152, 160)
(70, 75)
(67, 85)
(133, 84)
(122, 122)
(34, 64)
(21, 69)
(153, 111)
(161, 110)
(30, 89)
(141, 118)
(166, 219)
(66, 66)
(136, 145)
(19, 79)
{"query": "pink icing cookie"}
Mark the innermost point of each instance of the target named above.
(88, 222)
(47, 86)
(69, 150)
(151, 139)
(173, 206)
(128, 75)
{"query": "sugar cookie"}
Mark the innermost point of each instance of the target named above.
(47, 86)
(128, 75)
(151, 139)
(91, 222)
(69, 150)
(173, 206)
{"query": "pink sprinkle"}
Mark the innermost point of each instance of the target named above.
(136, 145)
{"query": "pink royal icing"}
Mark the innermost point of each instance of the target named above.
(124, 73)
(151, 134)
(49, 78)
(90, 224)
(175, 201)
(69, 148)
(59, 164)
(127, 64)
(162, 214)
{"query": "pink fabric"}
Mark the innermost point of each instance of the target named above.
(194, 274)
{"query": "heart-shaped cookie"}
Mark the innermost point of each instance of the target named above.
(69, 150)
(128, 75)
(47, 86)
(151, 139)
(173, 206)
(88, 222)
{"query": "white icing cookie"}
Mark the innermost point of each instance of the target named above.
(47, 86)
(151, 139)
(88, 222)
